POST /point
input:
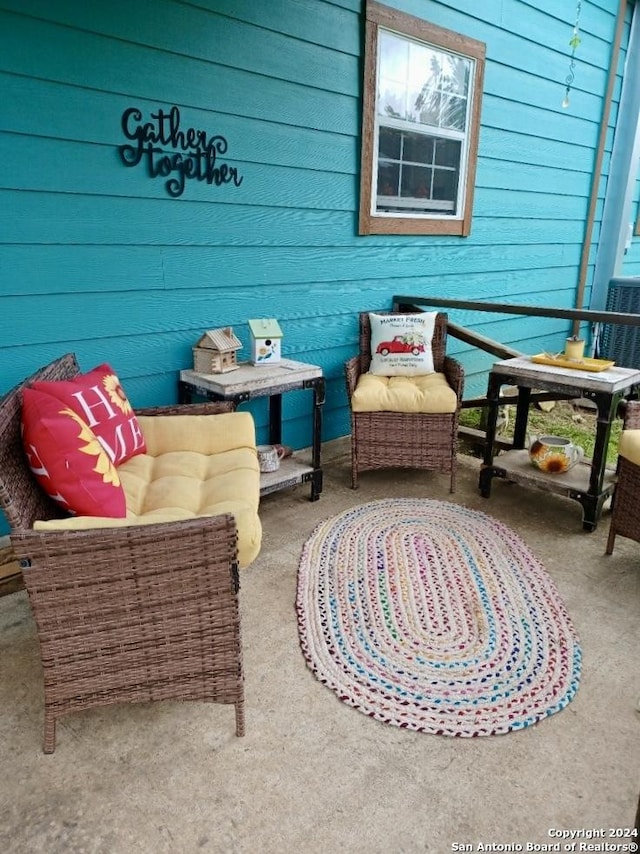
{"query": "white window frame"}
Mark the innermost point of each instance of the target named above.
(436, 220)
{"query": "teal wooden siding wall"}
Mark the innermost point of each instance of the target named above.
(631, 260)
(96, 258)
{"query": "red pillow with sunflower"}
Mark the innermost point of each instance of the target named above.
(98, 398)
(67, 459)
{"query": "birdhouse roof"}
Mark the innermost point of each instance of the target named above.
(220, 339)
(265, 327)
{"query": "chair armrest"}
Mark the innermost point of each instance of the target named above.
(632, 415)
(352, 371)
(129, 558)
(205, 408)
(454, 372)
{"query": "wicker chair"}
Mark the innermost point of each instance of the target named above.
(141, 613)
(405, 439)
(625, 514)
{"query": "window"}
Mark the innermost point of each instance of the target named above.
(422, 93)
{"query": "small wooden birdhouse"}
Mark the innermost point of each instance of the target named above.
(266, 338)
(215, 352)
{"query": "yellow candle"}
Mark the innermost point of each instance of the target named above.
(574, 350)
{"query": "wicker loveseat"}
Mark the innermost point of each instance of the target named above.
(142, 608)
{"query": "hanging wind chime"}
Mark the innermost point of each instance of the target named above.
(574, 41)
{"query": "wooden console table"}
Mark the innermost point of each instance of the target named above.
(590, 483)
(251, 381)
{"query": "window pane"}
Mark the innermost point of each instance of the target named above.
(441, 100)
(407, 179)
(390, 143)
(421, 86)
(393, 75)
(455, 73)
(445, 184)
(419, 83)
(391, 100)
(394, 56)
(388, 179)
(453, 112)
(447, 152)
(418, 148)
(416, 182)
(428, 105)
(458, 71)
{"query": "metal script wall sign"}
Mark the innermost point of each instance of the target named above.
(195, 153)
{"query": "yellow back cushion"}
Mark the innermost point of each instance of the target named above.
(204, 434)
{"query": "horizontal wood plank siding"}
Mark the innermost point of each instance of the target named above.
(97, 259)
(631, 260)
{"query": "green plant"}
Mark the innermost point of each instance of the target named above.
(565, 419)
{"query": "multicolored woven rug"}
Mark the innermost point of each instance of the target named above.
(428, 615)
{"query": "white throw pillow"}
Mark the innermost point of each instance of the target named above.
(401, 344)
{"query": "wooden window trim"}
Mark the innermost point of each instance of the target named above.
(378, 16)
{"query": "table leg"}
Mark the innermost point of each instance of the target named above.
(318, 401)
(275, 419)
(607, 407)
(593, 501)
(184, 392)
(493, 402)
(522, 417)
(591, 509)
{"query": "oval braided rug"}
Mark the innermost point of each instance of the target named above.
(427, 615)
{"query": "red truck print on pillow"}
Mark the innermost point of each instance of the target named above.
(413, 343)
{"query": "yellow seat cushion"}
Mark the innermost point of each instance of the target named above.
(195, 465)
(629, 446)
(424, 393)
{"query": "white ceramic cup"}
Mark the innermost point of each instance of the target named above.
(269, 457)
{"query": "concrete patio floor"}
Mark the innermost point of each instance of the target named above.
(312, 774)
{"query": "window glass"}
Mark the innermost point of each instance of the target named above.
(390, 141)
(448, 152)
(420, 84)
(418, 147)
(426, 89)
